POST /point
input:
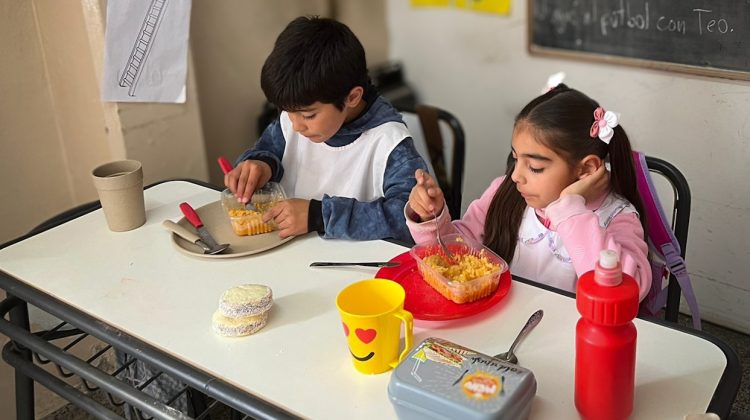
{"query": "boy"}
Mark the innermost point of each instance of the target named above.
(338, 148)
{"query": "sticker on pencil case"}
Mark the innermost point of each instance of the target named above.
(482, 386)
(443, 379)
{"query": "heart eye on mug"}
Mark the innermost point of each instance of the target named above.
(346, 329)
(366, 336)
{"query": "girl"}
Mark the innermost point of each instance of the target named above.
(557, 206)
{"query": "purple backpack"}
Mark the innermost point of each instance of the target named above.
(664, 249)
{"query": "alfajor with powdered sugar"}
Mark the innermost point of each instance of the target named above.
(246, 300)
(243, 310)
(237, 327)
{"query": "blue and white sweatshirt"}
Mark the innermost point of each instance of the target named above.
(345, 217)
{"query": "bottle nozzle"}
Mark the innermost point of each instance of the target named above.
(608, 258)
(608, 269)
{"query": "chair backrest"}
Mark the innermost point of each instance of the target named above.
(667, 232)
(439, 138)
(267, 115)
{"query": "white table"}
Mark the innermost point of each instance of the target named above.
(138, 283)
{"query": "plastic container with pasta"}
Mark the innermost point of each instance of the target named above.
(474, 272)
(248, 222)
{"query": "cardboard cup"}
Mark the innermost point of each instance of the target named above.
(120, 188)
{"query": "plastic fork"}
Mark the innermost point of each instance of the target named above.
(440, 242)
(226, 167)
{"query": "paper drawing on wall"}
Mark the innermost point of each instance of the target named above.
(145, 54)
(142, 46)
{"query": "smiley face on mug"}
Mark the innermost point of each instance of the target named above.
(361, 343)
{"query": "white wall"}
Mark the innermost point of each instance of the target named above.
(477, 66)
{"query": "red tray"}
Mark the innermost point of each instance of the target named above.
(426, 303)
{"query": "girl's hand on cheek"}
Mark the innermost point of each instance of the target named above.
(426, 198)
(589, 186)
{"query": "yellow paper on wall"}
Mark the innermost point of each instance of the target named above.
(500, 7)
(432, 3)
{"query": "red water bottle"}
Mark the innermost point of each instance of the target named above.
(607, 300)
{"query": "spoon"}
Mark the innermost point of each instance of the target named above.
(534, 319)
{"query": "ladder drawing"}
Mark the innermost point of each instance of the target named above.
(142, 46)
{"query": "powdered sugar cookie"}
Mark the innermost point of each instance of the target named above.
(245, 300)
(237, 327)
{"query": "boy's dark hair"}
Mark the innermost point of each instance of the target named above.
(559, 119)
(313, 60)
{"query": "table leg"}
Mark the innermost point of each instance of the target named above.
(19, 315)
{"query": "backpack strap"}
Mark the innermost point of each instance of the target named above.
(663, 242)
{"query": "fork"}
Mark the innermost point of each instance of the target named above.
(226, 167)
(440, 242)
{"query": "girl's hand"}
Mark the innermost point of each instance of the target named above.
(426, 198)
(590, 186)
(247, 177)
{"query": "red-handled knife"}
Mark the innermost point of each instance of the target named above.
(192, 216)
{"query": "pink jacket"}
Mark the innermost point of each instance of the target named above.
(574, 222)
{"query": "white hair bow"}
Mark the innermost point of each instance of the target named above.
(553, 81)
(604, 124)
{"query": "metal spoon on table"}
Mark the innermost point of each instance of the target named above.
(509, 356)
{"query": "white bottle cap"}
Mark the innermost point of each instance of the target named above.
(608, 259)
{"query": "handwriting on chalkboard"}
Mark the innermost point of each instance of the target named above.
(712, 34)
(625, 16)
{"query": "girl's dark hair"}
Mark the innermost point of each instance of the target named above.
(313, 60)
(560, 120)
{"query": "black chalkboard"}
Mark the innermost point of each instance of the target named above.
(710, 37)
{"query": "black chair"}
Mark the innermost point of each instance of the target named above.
(65, 216)
(438, 132)
(680, 221)
(267, 115)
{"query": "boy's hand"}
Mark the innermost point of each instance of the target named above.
(247, 177)
(590, 186)
(290, 215)
(426, 198)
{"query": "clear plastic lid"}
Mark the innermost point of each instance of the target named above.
(248, 219)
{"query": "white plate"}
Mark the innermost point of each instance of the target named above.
(217, 222)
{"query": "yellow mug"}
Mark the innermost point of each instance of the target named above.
(372, 312)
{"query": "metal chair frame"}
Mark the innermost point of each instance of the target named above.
(450, 181)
